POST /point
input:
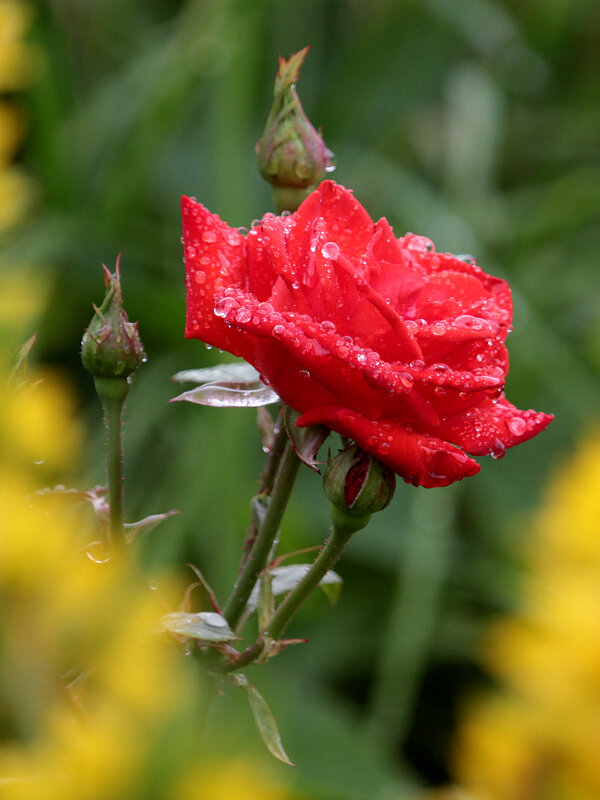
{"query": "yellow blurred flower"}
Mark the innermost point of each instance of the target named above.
(232, 780)
(17, 59)
(538, 736)
(94, 702)
(16, 193)
(39, 435)
(18, 64)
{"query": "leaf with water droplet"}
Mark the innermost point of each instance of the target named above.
(206, 626)
(223, 396)
(238, 372)
(236, 385)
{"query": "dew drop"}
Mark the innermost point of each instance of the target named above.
(243, 315)
(209, 237)
(330, 250)
(517, 426)
(498, 449)
(406, 379)
(200, 277)
(439, 328)
(97, 552)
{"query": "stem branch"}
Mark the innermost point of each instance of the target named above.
(329, 555)
(255, 562)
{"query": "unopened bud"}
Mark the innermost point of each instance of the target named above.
(111, 346)
(291, 153)
(358, 484)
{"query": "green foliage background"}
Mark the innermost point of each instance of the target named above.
(474, 122)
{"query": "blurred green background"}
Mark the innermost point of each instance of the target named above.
(474, 122)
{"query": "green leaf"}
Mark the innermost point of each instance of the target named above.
(288, 577)
(331, 590)
(206, 626)
(19, 369)
(223, 395)
(133, 529)
(238, 372)
(264, 719)
(235, 385)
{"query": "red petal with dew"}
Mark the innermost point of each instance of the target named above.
(420, 460)
(215, 257)
(492, 427)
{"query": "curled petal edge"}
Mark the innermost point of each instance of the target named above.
(420, 460)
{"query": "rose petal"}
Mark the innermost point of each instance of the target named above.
(215, 257)
(490, 428)
(343, 218)
(420, 460)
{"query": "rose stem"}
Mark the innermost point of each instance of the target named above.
(274, 457)
(329, 555)
(333, 548)
(255, 562)
(267, 480)
(112, 393)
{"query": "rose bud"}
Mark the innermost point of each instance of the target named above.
(291, 153)
(358, 484)
(111, 346)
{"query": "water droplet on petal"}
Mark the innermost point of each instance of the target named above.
(406, 379)
(330, 250)
(200, 277)
(498, 449)
(209, 237)
(517, 426)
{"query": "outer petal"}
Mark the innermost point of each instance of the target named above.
(341, 218)
(420, 460)
(490, 428)
(215, 257)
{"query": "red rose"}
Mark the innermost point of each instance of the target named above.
(381, 339)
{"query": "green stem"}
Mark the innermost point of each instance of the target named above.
(274, 457)
(255, 563)
(329, 555)
(112, 393)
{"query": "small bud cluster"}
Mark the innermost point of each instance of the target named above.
(111, 346)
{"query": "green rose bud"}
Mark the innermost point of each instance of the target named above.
(358, 484)
(111, 346)
(291, 153)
